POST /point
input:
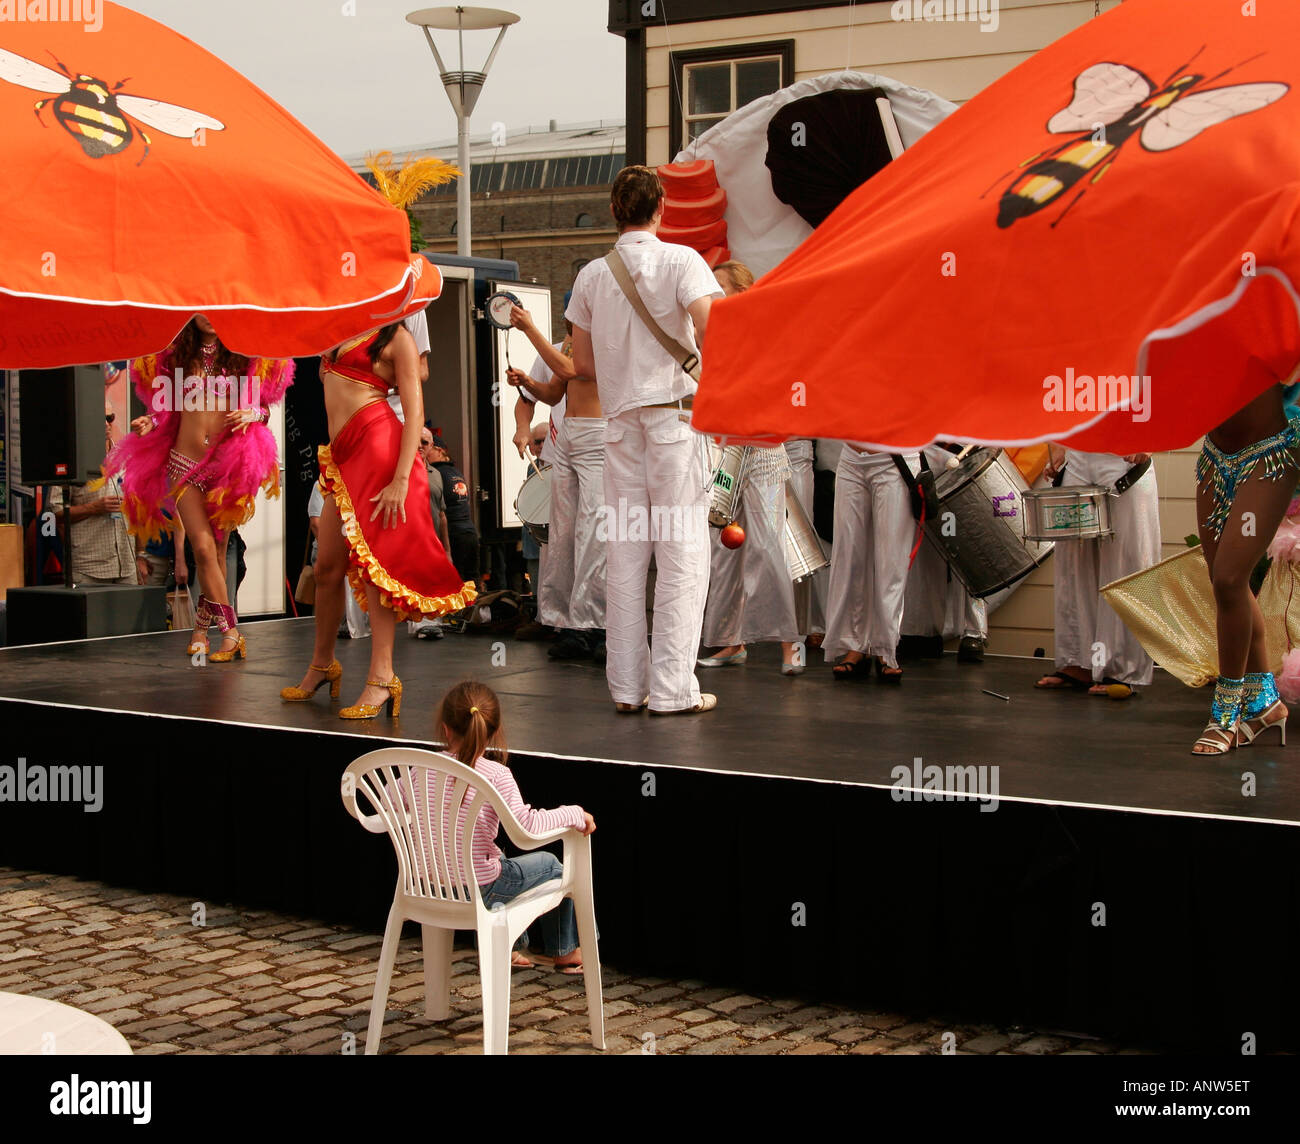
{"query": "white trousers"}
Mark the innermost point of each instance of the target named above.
(810, 592)
(874, 534)
(1088, 632)
(656, 503)
(573, 588)
(937, 604)
(751, 595)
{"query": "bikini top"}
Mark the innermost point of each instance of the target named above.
(351, 360)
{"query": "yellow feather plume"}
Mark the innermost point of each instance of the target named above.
(401, 186)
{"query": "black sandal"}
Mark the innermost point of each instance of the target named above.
(894, 677)
(858, 669)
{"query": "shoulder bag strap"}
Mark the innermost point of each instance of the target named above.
(689, 361)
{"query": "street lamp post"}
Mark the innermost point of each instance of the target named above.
(463, 87)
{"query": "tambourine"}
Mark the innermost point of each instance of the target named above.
(497, 308)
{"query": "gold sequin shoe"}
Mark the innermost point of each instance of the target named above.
(225, 617)
(332, 675)
(369, 710)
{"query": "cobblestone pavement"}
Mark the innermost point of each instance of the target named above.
(251, 981)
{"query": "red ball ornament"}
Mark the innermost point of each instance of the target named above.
(733, 536)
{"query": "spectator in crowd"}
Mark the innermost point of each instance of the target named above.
(102, 549)
(462, 534)
(430, 627)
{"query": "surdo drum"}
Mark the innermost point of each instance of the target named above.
(978, 528)
(533, 504)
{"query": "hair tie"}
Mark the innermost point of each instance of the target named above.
(473, 710)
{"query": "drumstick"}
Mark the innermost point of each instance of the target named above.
(954, 462)
(533, 461)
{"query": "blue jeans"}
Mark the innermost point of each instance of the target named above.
(559, 926)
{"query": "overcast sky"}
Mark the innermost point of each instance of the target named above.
(368, 81)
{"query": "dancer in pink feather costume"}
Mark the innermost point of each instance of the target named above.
(202, 454)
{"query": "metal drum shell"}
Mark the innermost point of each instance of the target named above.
(533, 504)
(988, 551)
(804, 554)
(1047, 514)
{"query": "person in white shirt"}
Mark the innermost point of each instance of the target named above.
(751, 594)
(874, 534)
(937, 606)
(572, 593)
(417, 326)
(1094, 647)
(656, 467)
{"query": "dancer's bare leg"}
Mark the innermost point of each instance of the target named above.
(383, 631)
(331, 583)
(208, 566)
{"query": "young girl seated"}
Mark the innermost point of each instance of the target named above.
(470, 722)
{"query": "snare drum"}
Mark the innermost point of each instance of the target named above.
(977, 530)
(1073, 512)
(533, 504)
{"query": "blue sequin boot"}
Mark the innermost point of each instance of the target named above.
(1262, 708)
(1221, 732)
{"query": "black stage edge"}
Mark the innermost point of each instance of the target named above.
(762, 845)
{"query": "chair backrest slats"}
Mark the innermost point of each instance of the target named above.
(429, 804)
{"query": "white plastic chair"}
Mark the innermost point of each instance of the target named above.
(436, 885)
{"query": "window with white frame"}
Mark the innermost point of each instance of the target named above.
(712, 83)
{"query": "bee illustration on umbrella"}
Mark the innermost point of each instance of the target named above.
(1111, 104)
(97, 116)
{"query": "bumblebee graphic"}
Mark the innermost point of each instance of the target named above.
(1111, 104)
(97, 116)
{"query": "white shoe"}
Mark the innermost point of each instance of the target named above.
(706, 703)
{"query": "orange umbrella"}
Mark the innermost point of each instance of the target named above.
(1101, 246)
(146, 181)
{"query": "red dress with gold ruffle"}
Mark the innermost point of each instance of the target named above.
(406, 564)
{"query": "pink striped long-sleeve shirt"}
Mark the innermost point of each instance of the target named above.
(486, 855)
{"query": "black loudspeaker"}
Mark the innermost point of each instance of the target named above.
(48, 615)
(60, 425)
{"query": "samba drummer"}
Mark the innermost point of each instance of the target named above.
(938, 606)
(571, 596)
(751, 595)
(874, 534)
(1095, 651)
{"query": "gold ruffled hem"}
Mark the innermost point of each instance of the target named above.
(364, 568)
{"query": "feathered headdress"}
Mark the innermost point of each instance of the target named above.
(402, 185)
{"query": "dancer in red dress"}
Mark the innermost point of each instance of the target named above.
(376, 526)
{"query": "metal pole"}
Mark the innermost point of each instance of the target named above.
(463, 239)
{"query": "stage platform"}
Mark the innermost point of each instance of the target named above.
(794, 839)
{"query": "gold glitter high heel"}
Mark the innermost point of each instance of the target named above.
(332, 675)
(369, 710)
(225, 617)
